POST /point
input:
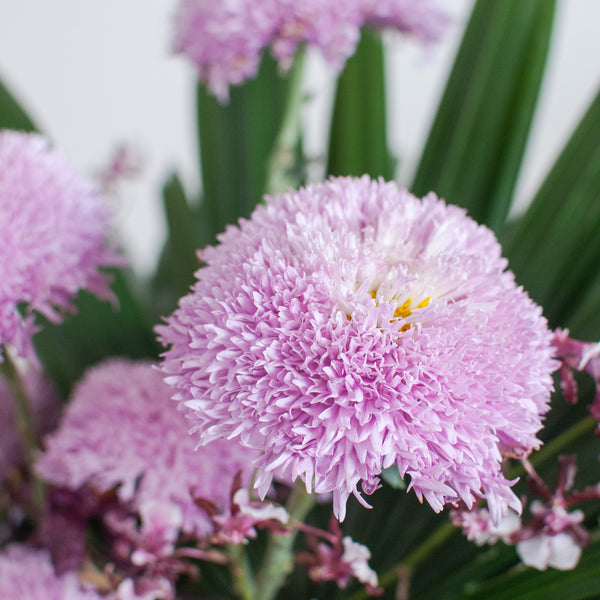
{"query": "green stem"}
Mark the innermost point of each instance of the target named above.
(278, 559)
(242, 572)
(282, 161)
(561, 441)
(24, 422)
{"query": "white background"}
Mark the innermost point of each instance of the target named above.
(97, 73)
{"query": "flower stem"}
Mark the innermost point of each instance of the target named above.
(278, 559)
(242, 572)
(25, 425)
(280, 168)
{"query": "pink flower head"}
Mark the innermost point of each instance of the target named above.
(27, 574)
(226, 39)
(350, 326)
(120, 430)
(53, 227)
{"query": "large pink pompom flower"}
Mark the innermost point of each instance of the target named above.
(53, 236)
(350, 326)
(120, 431)
(225, 40)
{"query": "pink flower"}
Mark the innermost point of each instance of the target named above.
(577, 356)
(53, 227)
(350, 326)
(226, 40)
(333, 558)
(119, 431)
(477, 525)
(27, 574)
(238, 524)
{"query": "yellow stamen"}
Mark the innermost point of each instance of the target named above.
(404, 310)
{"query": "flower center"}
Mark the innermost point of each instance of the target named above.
(405, 310)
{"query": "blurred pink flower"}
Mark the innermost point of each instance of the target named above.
(27, 574)
(53, 227)
(120, 431)
(226, 40)
(350, 326)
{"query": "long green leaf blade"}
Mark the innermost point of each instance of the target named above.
(475, 147)
(235, 141)
(358, 138)
(12, 114)
(555, 248)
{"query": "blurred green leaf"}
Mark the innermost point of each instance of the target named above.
(554, 249)
(358, 138)
(235, 143)
(392, 477)
(582, 583)
(12, 114)
(188, 231)
(475, 148)
(99, 329)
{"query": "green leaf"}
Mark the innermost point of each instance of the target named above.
(358, 138)
(12, 115)
(235, 142)
(524, 583)
(188, 231)
(554, 249)
(98, 330)
(475, 148)
(392, 477)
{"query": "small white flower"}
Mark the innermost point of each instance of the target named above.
(559, 551)
(357, 556)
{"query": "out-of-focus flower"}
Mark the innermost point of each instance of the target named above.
(576, 355)
(333, 558)
(27, 574)
(238, 524)
(350, 326)
(225, 40)
(553, 536)
(144, 589)
(555, 545)
(126, 162)
(45, 409)
(119, 431)
(478, 527)
(53, 227)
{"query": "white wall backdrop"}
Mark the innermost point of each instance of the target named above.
(97, 73)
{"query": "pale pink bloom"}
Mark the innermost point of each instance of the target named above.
(28, 574)
(121, 431)
(226, 39)
(477, 525)
(350, 326)
(54, 227)
(239, 524)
